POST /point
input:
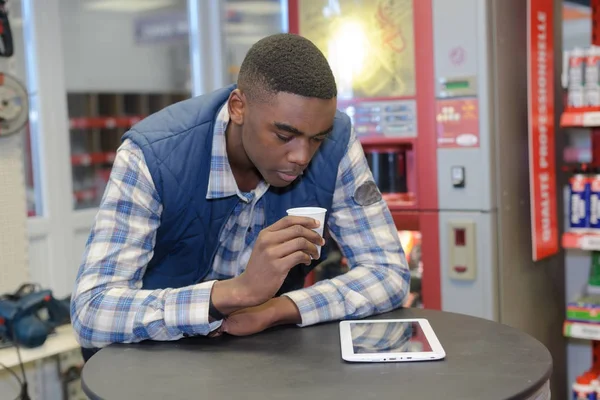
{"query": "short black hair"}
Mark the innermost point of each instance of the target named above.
(286, 63)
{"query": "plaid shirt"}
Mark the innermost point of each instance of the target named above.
(109, 304)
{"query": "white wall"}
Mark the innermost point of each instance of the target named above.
(100, 54)
(13, 233)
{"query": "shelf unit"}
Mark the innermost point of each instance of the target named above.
(581, 240)
(580, 118)
(582, 319)
(97, 121)
(582, 330)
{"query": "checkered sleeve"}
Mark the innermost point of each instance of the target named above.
(379, 278)
(108, 304)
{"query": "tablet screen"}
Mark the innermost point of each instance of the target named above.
(388, 337)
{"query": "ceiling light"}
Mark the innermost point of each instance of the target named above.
(129, 5)
(254, 7)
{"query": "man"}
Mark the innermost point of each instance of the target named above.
(192, 236)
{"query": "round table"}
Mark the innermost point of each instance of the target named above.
(484, 360)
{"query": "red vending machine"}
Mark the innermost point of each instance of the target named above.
(383, 64)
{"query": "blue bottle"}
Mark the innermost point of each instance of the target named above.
(579, 202)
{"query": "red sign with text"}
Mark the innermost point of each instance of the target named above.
(540, 93)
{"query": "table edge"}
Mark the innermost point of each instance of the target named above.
(525, 394)
(88, 392)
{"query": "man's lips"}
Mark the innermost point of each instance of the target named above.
(288, 177)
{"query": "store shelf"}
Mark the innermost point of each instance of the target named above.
(584, 118)
(583, 241)
(575, 155)
(87, 159)
(104, 122)
(85, 195)
(97, 122)
(581, 330)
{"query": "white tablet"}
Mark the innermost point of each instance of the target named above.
(389, 340)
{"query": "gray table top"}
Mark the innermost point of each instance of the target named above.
(484, 360)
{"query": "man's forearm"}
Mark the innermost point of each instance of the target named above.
(382, 288)
(248, 321)
(284, 311)
(229, 296)
(126, 315)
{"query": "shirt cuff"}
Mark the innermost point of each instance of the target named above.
(186, 310)
(317, 304)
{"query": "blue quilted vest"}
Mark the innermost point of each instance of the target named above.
(177, 144)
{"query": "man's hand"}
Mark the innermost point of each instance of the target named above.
(279, 247)
(248, 321)
(285, 244)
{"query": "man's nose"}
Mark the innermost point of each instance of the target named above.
(301, 154)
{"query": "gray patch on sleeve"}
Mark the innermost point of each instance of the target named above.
(367, 194)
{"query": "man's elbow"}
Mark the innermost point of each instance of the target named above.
(400, 283)
(82, 321)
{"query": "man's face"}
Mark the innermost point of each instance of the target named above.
(282, 135)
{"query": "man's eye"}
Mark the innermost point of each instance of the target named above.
(320, 138)
(283, 138)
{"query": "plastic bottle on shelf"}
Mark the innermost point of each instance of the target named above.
(579, 201)
(592, 77)
(594, 375)
(583, 389)
(594, 207)
(593, 286)
(577, 59)
(595, 384)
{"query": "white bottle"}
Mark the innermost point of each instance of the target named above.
(592, 77)
(582, 389)
(595, 383)
(576, 78)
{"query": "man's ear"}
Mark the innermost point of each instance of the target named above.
(237, 106)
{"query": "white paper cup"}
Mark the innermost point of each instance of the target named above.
(317, 213)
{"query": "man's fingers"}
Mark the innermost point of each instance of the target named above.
(293, 232)
(294, 245)
(290, 220)
(298, 257)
